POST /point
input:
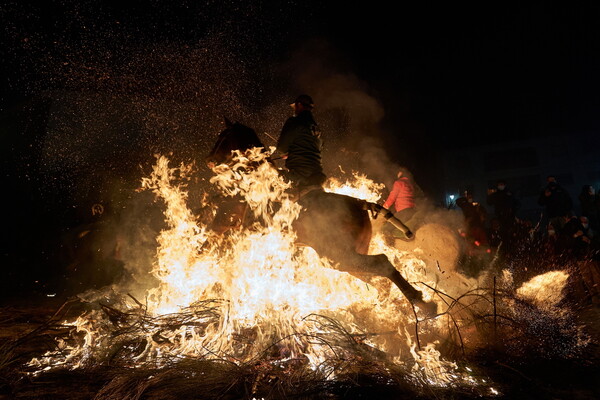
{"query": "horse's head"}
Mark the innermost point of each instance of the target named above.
(235, 137)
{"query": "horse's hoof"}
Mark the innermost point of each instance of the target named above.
(428, 308)
(405, 237)
(409, 237)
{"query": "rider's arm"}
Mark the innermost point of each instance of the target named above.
(393, 194)
(287, 136)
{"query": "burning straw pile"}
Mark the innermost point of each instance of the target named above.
(249, 315)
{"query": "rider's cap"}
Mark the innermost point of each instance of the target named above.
(305, 100)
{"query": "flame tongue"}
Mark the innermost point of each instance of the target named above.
(269, 284)
(257, 269)
(253, 293)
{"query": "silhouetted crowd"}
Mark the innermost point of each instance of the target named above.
(560, 234)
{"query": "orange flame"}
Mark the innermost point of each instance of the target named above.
(261, 284)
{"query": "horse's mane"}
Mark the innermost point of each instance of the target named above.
(235, 136)
(247, 136)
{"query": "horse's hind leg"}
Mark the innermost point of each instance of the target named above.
(380, 265)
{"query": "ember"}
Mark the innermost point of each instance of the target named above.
(253, 296)
(128, 277)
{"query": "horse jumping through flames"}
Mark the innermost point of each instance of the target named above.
(336, 226)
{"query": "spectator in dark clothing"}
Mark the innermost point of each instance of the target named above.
(572, 240)
(300, 145)
(549, 241)
(494, 236)
(557, 203)
(591, 233)
(504, 203)
(505, 207)
(587, 229)
(475, 218)
(590, 205)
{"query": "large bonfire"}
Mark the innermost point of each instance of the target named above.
(252, 298)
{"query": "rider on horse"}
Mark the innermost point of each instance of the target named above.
(300, 145)
(336, 226)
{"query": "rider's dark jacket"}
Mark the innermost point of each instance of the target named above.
(300, 140)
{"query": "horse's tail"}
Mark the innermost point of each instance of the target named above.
(375, 209)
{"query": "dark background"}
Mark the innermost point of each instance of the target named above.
(442, 75)
(461, 71)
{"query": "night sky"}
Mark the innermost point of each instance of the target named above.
(485, 72)
(459, 71)
(446, 74)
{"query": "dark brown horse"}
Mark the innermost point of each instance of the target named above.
(335, 226)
